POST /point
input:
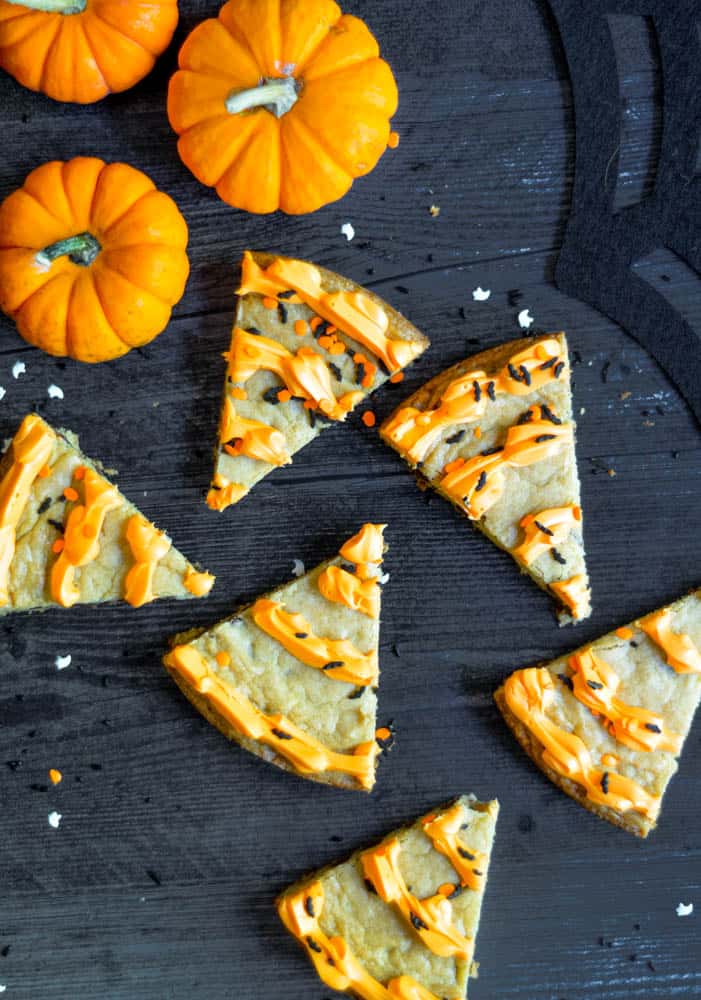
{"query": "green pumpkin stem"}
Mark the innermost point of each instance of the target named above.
(81, 249)
(277, 96)
(53, 6)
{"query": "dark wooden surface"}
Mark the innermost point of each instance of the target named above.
(160, 881)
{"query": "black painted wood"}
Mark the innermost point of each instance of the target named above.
(160, 881)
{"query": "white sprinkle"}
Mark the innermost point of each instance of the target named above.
(525, 320)
(61, 662)
(298, 568)
(2, 988)
(18, 368)
(54, 819)
(685, 909)
(55, 391)
(383, 579)
(3, 392)
(481, 294)
(348, 231)
(582, 410)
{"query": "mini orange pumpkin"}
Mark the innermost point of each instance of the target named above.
(82, 50)
(281, 103)
(92, 258)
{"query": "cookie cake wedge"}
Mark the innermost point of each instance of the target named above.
(399, 921)
(494, 435)
(307, 347)
(293, 676)
(607, 724)
(68, 536)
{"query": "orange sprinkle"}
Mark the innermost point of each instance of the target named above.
(58, 546)
(300, 327)
(393, 140)
(625, 633)
(79, 472)
(239, 393)
(397, 377)
(337, 348)
(315, 322)
(383, 733)
(369, 418)
(478, 432)
(55, 776)
(45, 471)
(326, 342)
(447, 889)
(610, 760)
(70, 494)
(284, 395)
(309, 404)
(452, 466)
(223, 658)
(270, 303)
(332, 329)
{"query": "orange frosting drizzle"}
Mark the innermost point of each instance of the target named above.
(681, 652)
(559, 522)
(31, 449)
(444, 833)
(574, 594)
(338, 658)
(335, 963)
(81, 536)
(360, 590)
(355, 313)
(148, 547)
(306, 754)
(199, 584)
(431, 918)
(476, 484)
(528, 694)
(305, 373)
(594, 684)
(223, 493)
(252, 438)
(414, 432)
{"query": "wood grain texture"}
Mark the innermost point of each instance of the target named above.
(173, 844)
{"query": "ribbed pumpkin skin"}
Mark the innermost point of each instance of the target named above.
(337, 130)
(124, 298)
(82, 57)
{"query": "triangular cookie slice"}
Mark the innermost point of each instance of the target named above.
(494, 435)
(608, 723)
(293, 677)
(68, 536)
(399, 921)
(307, 347)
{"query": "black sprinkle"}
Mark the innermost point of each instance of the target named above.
(605, 372)
(5, 951)
(348, 567)
(282, 312)
(454, 438)
(96, 767)
(358, 693)
(547, 364)
(44, 505)
(461, 312)
(360, 372)
(55, 524)
(478, 391)
(280, 735)
(491, 451)
(301, 635)
(476, 871)
(333, 664)
(309, 906)
(544, 437)
(547, 414)
(481, 482)
(287, 294)
(559, 368)
(513, 373)
(605, 783)
(651, 967)
(395, 649)
(525, 418)
(13, 764)
(525, 374)
(541, 527)
(270, 395)
(595, 685)
(634, 644)
(652, 727)
(153, 876)
(417, 922)
(370, 887)
(39, 788)
(313, 945)
(513, 296)
(464, 853)
(254, 330)
(567, 681)
(336, 371)
(557, 557)
(456, 892)
(403, 289)
(321, 329)
(490, 391)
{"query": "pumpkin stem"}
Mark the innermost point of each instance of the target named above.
(81, 249)
(53, 6)
(275, 95)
